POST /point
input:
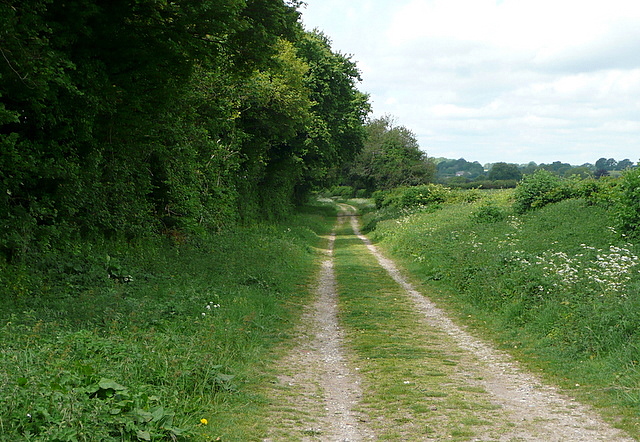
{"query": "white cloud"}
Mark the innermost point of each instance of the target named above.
(516, 80)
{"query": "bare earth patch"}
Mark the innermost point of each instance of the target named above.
(318, 394)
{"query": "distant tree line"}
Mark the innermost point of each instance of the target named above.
(462, 173)
(124, 118)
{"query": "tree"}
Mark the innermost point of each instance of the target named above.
(122, 118)
(504, 171)
(530, 168)
(624, 164)
(459, 168)
(336, 132)
(391, 157)
(557, 167)
(606, 164)
(579, 171)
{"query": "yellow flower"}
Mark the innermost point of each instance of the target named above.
(204, 421)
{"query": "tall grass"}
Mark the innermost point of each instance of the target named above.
(155, 341)
(558, 286)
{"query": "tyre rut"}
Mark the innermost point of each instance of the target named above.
(321, 395)
(538, 411)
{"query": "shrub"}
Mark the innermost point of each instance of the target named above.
(362, 193)
(459, 195)
(627, 210)
(379, 196)
(488, 184)
(345, 192)
(407, 197)
(602, 191)
(537, 190)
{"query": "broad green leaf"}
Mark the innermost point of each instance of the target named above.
(143, 435)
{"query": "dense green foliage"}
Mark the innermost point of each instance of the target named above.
(411, 197)
(459, 168)
(536, 191)
(558, 281)
(122, 119)
(610, 164)
(391, 157)
(628, 204)
(140, 141)
(504, 171)
(149, 340)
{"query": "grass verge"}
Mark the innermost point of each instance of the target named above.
(158, 341)
(556, 287)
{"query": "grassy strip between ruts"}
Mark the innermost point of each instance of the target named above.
(412, 388)
(173, 344)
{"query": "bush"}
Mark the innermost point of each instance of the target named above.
(600, 191)
(362, 193)
(460, 195)
(627, 210)
(379, 196)
(537, 190)
(345, 192)
(408, 197)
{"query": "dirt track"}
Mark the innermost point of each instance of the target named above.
(319, 391)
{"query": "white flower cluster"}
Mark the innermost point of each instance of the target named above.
(209, 306)
(473, 241)
(514, 222)
(559, 264)
(511, 239)
(519, 256)
(610, 271)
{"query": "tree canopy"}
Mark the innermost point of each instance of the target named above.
(504, 171)
(460, 167)
(391, 157)
(123, 118)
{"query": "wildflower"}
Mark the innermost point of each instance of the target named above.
(203, 421)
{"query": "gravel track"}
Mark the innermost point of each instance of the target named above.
(538, 411)
(322, 393)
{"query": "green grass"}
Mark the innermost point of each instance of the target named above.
(109, 342)
(527, 282)
(179, 333)
(411, 387)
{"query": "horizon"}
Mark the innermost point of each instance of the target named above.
(485, 164)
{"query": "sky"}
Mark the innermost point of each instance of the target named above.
(497, 80)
